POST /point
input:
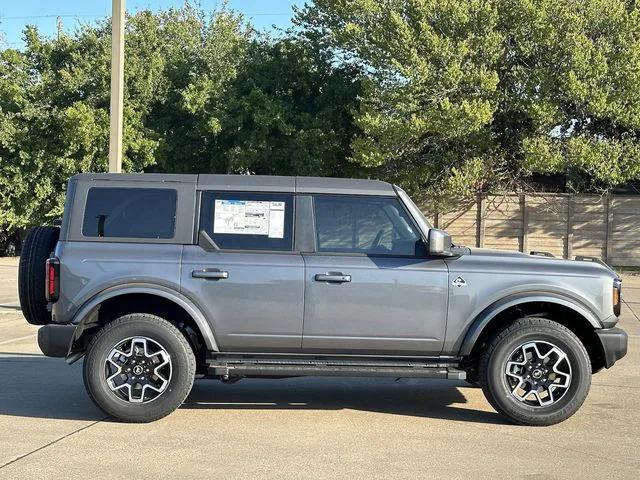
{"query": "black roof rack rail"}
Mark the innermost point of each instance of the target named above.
(541, 254)
(587, 258)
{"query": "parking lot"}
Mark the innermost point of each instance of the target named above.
(305, 427)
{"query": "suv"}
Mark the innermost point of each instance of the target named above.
(155, 279)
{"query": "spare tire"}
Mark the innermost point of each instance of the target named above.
(36, 249)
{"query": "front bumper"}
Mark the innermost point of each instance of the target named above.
(614, 344)
(54, 340)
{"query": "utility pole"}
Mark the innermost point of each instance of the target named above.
(59, 26)
(117, 86)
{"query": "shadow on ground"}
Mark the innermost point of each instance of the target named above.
(41, 387)
(410, 397)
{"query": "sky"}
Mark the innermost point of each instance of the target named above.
(15, 15)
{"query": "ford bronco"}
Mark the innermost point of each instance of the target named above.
(158, 279)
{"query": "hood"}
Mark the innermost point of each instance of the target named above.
(589, 265)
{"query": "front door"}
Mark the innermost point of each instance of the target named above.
(369, 287)
(247, 280)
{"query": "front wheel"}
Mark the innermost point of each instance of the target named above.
(139, 368)
(535, 372)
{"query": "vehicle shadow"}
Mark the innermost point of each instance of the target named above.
(410, 397)
(40, 387)
(35, 386)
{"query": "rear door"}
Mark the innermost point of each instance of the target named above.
(369, 287)
(244, 273)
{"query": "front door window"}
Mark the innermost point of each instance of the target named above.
(364, 225)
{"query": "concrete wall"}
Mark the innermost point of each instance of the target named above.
(607, 227)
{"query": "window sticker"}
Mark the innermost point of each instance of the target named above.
(246, 217)
(276, 219)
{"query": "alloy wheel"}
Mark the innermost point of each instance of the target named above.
(538, 373)
(138, 369)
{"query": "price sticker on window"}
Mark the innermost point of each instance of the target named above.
(247, 217)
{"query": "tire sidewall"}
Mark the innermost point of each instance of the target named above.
(570, 401)
(180, 383)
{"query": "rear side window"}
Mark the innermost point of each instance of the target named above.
(130, 213)
(364, 225)
(248, 221)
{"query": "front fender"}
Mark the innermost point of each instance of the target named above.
(87, 315)
(485, 317)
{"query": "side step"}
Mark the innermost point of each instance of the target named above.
(225, 366)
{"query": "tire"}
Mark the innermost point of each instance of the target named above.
(158, 332)
(514, 345)
(37, 247)
(472, 378)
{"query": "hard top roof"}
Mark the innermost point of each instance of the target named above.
(255, 183)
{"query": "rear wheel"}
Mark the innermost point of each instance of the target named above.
(36, 249)
(139, 368)
(535, 372)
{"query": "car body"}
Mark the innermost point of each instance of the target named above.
(285, 276)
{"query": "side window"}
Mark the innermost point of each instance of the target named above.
(365, 225)
(248, 221)
(130, 212)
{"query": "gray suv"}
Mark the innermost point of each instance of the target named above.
(158, 279)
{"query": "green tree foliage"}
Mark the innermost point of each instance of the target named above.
(291, 112)
(463, 95)
(445, 97)
(203, 93)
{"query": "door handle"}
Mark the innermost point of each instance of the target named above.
(332, 277)
(210, 274)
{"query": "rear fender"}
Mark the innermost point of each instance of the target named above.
(87, 317)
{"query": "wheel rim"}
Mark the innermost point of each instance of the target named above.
(138, 369)
(538, 373)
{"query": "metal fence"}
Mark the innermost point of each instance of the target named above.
(606, 226)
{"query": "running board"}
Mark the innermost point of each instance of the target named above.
(226, 367)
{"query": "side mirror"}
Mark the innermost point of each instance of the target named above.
(439, 243)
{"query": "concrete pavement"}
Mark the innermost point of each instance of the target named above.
(324, 428)
(8, 282)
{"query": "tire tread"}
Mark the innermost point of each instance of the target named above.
(39, 243)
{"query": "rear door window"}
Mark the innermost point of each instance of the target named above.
(248, 221)
(130, 212)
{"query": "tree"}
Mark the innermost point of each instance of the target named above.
(49, 128)
(290, 112)
(198, 58)
(54, 99)
(469, 95)
(54, 104)
(203, 94)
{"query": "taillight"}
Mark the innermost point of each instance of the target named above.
(617, 296)
(52, 290)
